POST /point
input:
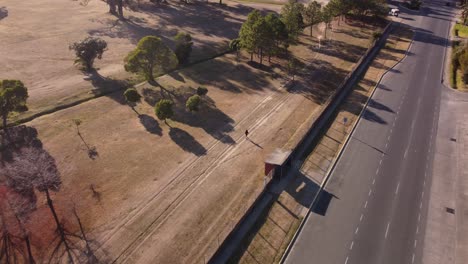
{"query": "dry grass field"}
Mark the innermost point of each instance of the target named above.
(147, 192)
(35, 37)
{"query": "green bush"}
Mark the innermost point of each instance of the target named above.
(376, 35)
(183, 46)
(201, 91)
(163, 109)
(132, 95)
(193, 103)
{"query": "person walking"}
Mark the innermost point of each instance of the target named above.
(246, 133)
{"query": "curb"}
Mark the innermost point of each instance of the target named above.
(340, 153)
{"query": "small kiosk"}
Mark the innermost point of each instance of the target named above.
(275, 163)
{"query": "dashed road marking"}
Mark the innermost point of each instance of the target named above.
(352, 244)
(357, 230)
(365, 205)
(397, 187)
(360, 219)
(346, 261)
(386, 231)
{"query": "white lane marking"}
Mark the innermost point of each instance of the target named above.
(412, 260)
(417, 229)
(424, 182)
(346, 261)
(365, 205)
(388, 138)
(420, 205)
(360, 219)
(377, 171)
(406, 153)
(386, 145)
(422, 194)
(373, 181)
(357, 230)
(386, 231)
(415, 243)
(419, 217)
(370, 192)
(352, 244)
(380, 163)
(397, 187)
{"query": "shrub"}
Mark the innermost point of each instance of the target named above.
(201, 91)
(183, 46)
(132, 95)
(376, 35)
(88, 50)
(163, 109)
(193, 102)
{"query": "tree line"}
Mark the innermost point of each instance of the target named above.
(271, 34)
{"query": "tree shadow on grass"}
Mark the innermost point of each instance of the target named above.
(341, 50)
(106, 86)
(3, 12)
(186, 141)
(150, 124)
(321, 80)
(208, 117)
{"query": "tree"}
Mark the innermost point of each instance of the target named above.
(263, 37)
(327, 17)
(88, 50)
(183, 46)
(201, 91)
(163, 109)
(291, 15)
(247, 35)
(193, 102)
(312, 14)
(278, 32)
(13, 96)
(235, 45)
(131, 95)
(293, 66)
(151, 57)
(115, 6)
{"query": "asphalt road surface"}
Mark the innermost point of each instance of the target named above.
(380, 186)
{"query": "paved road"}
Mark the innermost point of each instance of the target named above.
(381, 183)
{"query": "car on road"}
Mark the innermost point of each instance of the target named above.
(394, 12)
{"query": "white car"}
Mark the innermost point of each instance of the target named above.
(394, 12)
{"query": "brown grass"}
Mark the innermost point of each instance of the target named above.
(165, 189)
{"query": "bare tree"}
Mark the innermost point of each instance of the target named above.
(26, 167)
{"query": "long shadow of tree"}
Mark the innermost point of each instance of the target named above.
(212, 120)
(3, 12)
(27, 170)
(186, 141)
(106, 86)
(321, 81)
